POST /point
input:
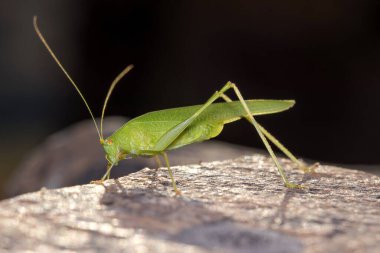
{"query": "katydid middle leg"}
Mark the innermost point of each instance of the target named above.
(155, 154)
(158, 161)
(177, 192)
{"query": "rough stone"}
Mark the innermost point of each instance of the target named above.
(236, 205)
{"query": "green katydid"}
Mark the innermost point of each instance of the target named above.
(154, 133)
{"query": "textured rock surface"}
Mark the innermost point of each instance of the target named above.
(230, 206)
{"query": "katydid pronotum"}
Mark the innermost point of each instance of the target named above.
(154, 133)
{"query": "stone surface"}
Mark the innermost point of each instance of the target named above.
(227, 206)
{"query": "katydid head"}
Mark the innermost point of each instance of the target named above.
(112, 153)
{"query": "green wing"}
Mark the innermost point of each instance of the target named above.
(143, 132)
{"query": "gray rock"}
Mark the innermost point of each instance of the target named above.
(236, 205)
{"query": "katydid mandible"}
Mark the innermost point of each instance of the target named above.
(154, 133)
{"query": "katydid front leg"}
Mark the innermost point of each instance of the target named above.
(105, 176)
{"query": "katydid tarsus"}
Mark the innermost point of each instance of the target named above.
(154, 133)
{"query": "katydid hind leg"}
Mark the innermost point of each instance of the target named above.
(168, 138)
(252, 120)
(301, 165)
(173, 133)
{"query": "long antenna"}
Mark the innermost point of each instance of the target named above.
(110, 90)
(65, 72)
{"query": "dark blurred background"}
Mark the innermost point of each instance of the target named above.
(325, 54)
